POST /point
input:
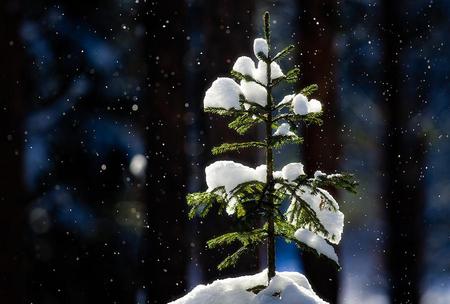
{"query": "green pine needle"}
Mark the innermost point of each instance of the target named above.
(280, 141)
(238, 76)
(292, 75)
(245, 238)
(309, 90)
(266, 19)
(231, 260)
(202, 202)
(221, 111)
(230, 147)
(243, 123)
(284, 52)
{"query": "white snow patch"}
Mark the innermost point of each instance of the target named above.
(284, 288)
(316, 242)
(275, 70)
(334, 175)
(260, 46)
(231, 206)
(254, 92)
(260, 73)
(314, 106)
(284, 130)
(319, 174)
(223, 93)
(302, 106)
(244, 65)
(292, 171)
(286, 99)
(230, 174)
(332, 220)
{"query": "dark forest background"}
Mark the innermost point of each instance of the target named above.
(102, 134)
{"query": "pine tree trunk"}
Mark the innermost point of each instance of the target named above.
(321, 148)
(269, 180)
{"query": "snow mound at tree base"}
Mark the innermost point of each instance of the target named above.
(284, 288)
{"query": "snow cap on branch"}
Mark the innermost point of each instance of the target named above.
(319, 174)
(254, 92)
(260, 73)
(314, 106)
(302, 106)
(284, 130)
(246, 66)
(292, 171)
(317, 243)
(223, 93)
(230, 174)
(286, 99)
(319, 201)
(260, 46)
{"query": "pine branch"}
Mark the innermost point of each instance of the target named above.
(283, 52)
(309, 90)
(244, 122)
(312, 119)
(245, 238)
(266, 19)
(292, 75)
(287, 231)
(301, 214)
(230, 147)
(231, 260)
(238, 77)
(284, 229)
(342, 181)
(281, 140)
(202, 202)
(222, 111)
(293, 119)
(235, 113)
(254, 104)
(249, 191)
(280, 106)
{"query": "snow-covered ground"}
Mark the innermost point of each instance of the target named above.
(284, 288)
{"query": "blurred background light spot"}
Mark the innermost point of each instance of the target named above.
(137, 165)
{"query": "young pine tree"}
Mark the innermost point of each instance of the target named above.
(255, 195)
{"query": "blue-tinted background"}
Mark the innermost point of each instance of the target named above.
(102, 135)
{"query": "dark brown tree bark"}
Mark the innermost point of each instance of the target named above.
(12, 193)
(321, 149)
(165, 258)
(404, 163)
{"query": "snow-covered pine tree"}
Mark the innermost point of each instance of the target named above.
(255, 195)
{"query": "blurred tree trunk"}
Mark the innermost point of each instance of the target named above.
(228, 33)
(12, 190)
(165, 259)
(404, 163)
(321, 149)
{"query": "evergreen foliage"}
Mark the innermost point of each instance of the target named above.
(264, 199)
